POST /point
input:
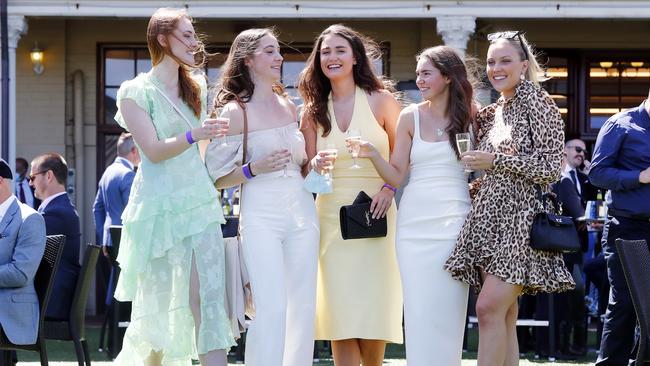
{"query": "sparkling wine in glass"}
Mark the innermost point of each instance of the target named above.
(464, 144)
(220, 116)
(354, 141)
(331, 151)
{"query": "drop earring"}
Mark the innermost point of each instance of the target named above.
(522, 77)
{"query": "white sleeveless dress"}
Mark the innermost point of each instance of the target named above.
(431, 212)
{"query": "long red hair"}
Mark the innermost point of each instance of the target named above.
(164, 21)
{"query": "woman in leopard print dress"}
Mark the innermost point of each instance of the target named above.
(492, 252)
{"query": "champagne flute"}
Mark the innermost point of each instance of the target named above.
(331, 151)
(464, 144)
(354, 142)
(219, 115)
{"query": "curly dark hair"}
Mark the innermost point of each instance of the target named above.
(314, 87)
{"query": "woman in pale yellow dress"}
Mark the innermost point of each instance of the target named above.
(359, 298)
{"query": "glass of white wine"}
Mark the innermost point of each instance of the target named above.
(331, 151)
(464, 144)
(354, 142)
(219, 115)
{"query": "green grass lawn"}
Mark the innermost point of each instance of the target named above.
(63, 354)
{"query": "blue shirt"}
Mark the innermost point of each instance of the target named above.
(622, 152)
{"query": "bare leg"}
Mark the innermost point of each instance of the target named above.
(372, 352)
(493, 303)
(154, 359)
(346, 352)
(214, 357)
(512, 349)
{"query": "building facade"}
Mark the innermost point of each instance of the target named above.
(597, 54)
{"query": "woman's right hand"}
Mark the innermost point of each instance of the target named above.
(367, 150)
(322, 161)
(275, 161)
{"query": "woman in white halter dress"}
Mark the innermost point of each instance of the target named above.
(432, 209)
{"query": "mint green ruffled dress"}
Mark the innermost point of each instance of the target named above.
(173, 212)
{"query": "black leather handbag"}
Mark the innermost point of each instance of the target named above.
(552, 232)
(357, 222)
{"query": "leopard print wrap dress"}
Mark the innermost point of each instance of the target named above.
(495, 237)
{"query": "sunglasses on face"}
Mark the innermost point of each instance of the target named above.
(492, 37)
(578, 149)
(31, 177)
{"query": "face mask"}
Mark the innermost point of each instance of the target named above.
(316, 183)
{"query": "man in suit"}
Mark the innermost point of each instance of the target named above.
(49, 177)
(22, 242)
(573, 191)
(112, 196)
(114, 188)
(24, 192)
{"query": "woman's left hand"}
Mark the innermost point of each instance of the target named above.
(478, 160)
(381, 203)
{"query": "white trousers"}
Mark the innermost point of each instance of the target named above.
(280, 237)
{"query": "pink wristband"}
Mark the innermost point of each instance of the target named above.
(188, 137)
(386, 185)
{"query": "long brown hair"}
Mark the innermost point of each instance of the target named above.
(164, 21)
(315, 87)
(459, 105)
(235, 82)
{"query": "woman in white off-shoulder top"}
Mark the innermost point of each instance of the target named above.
(279, 227)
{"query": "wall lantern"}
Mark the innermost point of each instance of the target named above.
(36, 55)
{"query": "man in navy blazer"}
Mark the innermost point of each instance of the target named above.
(114, 188)
(49, 177)
(113, 194)
(22, 242)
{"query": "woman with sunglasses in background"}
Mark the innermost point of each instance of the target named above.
(172, 253)
(520, 144)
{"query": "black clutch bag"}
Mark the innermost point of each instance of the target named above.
(357, 222)
(551, 232)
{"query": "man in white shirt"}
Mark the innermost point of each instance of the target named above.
(22, 242)
(23, 191)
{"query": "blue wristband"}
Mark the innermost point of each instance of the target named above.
(246, 169)
(386, 185)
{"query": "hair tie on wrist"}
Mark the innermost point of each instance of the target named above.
(188, 137)
(246, 169)
(386, 185)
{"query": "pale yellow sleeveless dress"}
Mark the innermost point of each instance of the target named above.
(359, 292)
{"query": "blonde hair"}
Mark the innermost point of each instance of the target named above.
(535, 72)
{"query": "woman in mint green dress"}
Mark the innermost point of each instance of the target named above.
(171, 253)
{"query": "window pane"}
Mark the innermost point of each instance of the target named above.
(143, 64)
(110, 107)
(558, 86)
(119, 66)
(290, 72)
(615, 86)
(110, 149)
(213, 69)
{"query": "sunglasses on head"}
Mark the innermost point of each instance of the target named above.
(492, 37)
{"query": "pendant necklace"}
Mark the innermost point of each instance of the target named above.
(440, 131)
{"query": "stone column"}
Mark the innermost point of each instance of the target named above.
(16, 27)
(456, 30)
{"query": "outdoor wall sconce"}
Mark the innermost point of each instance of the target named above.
(36, 55)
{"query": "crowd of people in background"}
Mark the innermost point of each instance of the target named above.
(470, 178)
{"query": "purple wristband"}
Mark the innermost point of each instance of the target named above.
(246, 169)
(386, 185)
(188, 137)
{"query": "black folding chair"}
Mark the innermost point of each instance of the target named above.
(73, 329)
(43, 282)
(635, 259)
